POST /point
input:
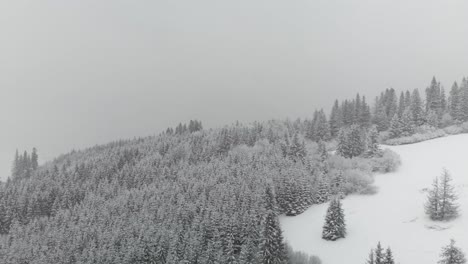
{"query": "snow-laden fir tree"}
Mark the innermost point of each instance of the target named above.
(441, 200)
(273, 248)
(335, 226)
(396, 128)
(379, 254)
(323, 157)
(373, 147)
(448, 206)
(337, 185)
(323, 190)
(416, 108)
(388, 259)
(351, 141)
(452, 255)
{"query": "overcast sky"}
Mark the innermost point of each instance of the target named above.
(78, 73)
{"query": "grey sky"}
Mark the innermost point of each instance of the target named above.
(78, 73)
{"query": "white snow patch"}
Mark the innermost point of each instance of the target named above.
(395, 215)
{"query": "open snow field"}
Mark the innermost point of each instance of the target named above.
(395, 215)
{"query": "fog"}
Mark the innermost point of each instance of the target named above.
(78, 73)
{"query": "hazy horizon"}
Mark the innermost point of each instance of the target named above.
(77, 74)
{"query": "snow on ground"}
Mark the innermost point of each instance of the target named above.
(395, 215)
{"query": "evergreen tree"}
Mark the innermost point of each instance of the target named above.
(452, 255)
(15, 171)
(351, 142)
(401, 104)
(441, 199)
(365, 114)
(34, 159)
(323, 191)
(273, 248)
(321, 127)
(336, 119)
(455, 104)
(388, 259)
(335, 226)
(417, 108)
(380, 117)
(448, 198)
(407, 127)
(373, 148)
(396, 127)
(379, 254)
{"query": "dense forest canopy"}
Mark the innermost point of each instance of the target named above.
(194, 195)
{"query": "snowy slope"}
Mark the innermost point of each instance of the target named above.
(395, 215)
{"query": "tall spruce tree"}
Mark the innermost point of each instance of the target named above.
(335, 226)
(417, 108)
(388, 259)
(379, 254)
(273, 248)
(448, 205)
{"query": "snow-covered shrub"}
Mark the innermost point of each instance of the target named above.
(388, 162)
(357, 180)
(298, 257)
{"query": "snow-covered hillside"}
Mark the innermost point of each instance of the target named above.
(395, 215)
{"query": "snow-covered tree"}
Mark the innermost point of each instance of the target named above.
(373, 147)
(452, 254)
(416, 108)
(448, 198)
(335, 226)
(379, 254)
(388, 259)
(273, 248)
(351, 142)
(441, 199)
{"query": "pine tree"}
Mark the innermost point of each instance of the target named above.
(401, 104)
(34, 159)
(273, 248)
(323, 157)
(336, 119)
(396, 127)
(448, 206)
(452, 254)
(351, 142)
(380, 118)
(454, 105)
(373, 148)
(417, 108)
(321, 127)
(379, 254)
(365, 114)
(15, 171)
(323, 191)
(407, 127)
(441, 200)
(388, 259)
(335, 226)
